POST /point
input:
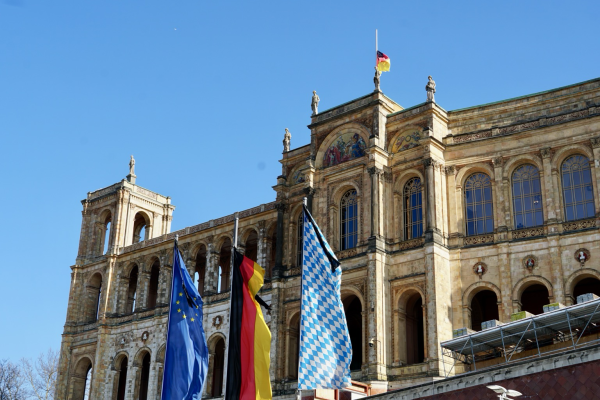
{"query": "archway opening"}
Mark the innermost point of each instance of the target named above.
(82, 379)
(106, 236)
(153, 289)
(484, 307)
(224, 261)
(144, 377)
(353, 310)
(252, 246)
(534, 298)
(94, 292)
(294, 346)
(218, 366)
(200, 269)
(122, 379)
(586, 285)
(415, 335)
(140, 231)
(88, 383)
(132, 290)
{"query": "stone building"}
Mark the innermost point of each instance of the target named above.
(441, 220)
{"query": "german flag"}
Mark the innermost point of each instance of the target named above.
(249, 337)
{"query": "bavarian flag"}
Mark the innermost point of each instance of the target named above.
(249, 336)
(383, 62)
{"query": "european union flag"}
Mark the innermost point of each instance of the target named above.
(186, 358)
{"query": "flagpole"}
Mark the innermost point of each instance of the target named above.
(298, 391)
(231, 263)
(169, 313)
(376, 47)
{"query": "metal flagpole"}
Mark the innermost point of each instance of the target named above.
(231, 262)
(298, 391)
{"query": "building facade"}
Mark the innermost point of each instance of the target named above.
(441, 220)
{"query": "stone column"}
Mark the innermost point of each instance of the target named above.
(430, 208)
(375, 205)
(500, 212)
(132, 373)
(143, 287)
(505, 282)
(281, 208)
(261, 245)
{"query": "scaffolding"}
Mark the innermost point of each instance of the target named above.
(564, 325)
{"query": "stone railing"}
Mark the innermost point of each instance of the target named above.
(579, 225)
(480, 239)
(215, 298)
(411, 244)
(528, 233)
(197, 228)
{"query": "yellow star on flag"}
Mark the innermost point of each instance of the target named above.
(179, 310)
(177, 302)
(184, 316)
(192, 319)
(180, 294)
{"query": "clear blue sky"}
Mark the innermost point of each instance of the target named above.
(200, 93)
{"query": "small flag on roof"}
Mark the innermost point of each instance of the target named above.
(383, 62)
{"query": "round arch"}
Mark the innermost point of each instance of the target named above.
(220, 241)
(410, 326)
(477, 287)
(515, 162)
(402, 134)
(524, 283)
(214, 339)
(139, 355)
(404, 177)
(351, 127)
(565, 152)
(465, 172)
(575, 278)
(246, 232)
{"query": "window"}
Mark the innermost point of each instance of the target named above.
(413, 209)
(478, 204)
(527, 197)
(349, 220)
(578, 192)
(300, 238)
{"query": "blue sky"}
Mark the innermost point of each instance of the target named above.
(200, 93)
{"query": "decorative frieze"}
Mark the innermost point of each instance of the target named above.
(473, 136)
(346, 253)
(579, 225)
(411, 244)
(526, 233)
(480, 239)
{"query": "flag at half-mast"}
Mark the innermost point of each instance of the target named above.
(249, 336)
(325, 347)
(383, 62)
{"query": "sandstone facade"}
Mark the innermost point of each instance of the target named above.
(435, 215)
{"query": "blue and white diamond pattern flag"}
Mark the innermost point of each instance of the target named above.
(325, 348)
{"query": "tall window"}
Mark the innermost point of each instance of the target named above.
(299, 234)
(349, 220)
(578, 192)
(413, 209)
(478, 202)
(527, 197)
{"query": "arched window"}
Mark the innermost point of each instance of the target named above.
(534, 298)
(121, 377)
(200, 269)
(224, 260)
(132, 290)
(81, 381)
(293, 347)
(92, 303)
(349, 220)
(153, 289)
(578, 192)
(415, 332)
(144, 378)
(88, 384)
(218, 369)
(413, 209)
(527, 197)
(252, 246)
(107, 237)
(299, 239)
(478, 204)
(140, 232)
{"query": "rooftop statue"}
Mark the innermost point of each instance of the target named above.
(430, 87)
(286, 140)
(315, 103)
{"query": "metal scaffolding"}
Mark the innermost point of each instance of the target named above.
(537, 332)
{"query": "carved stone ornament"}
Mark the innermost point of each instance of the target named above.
(582, 255)
(530, 262)
(123, 340)
(217, 321)
(145, 336)
(480, 269)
